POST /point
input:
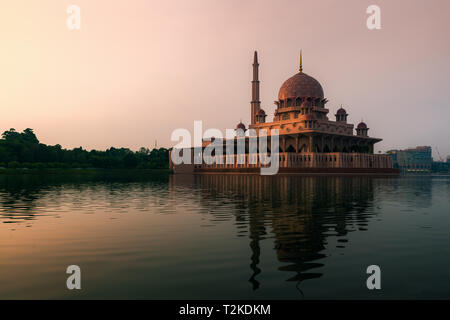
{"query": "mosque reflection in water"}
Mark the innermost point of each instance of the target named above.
(288, 228)
(299, 213)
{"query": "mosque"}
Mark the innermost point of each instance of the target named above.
(309, 142)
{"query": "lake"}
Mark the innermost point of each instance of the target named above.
(224, 236)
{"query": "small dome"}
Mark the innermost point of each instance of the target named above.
(300, 85)
(362, 125)
(341, 111)
(261, 112)
(240, 125)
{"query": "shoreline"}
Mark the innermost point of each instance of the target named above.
(80, 171)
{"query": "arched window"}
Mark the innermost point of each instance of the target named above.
(298, 102)
(290, 149)
(289, 103)
(281, 104)
(304, 148)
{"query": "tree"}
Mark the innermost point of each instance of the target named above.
(23, 149)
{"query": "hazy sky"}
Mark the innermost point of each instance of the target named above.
(138, 69)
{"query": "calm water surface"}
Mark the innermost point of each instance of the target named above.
(183, 237)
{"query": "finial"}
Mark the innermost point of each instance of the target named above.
(300, 68)
(255, 58)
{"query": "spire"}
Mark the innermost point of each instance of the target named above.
(255, 67)
(255, 58)
(300, 68)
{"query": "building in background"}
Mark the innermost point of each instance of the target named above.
(417, 159)
(441, 167)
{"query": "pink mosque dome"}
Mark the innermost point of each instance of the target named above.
(341, 111)
(362, 125)
(240, 125)
(300, 85)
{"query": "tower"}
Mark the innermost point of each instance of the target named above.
(361, 129)
(255, 103)
(341, 115)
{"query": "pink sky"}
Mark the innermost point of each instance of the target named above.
(139, 69)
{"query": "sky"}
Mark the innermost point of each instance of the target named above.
(137, 70)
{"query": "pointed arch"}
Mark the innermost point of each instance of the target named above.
(304, 148)
(290, 148)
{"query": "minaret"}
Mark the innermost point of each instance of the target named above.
(256, 104)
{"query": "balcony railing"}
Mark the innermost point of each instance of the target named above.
(303, 160)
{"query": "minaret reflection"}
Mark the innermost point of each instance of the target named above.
(298, 212)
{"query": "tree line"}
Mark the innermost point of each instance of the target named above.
(23, 150)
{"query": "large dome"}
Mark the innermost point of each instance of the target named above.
(300, 85)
